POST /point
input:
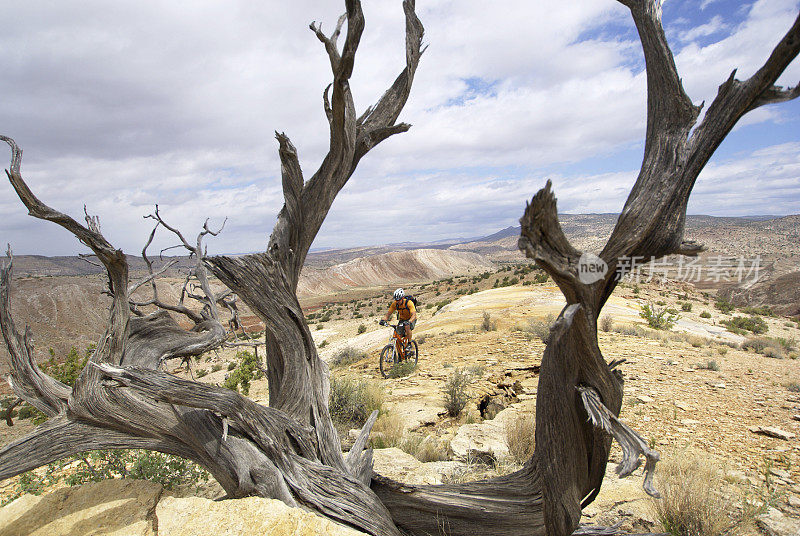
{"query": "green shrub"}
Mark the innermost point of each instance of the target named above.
(606, 323)
(741, 324)
(724, 305)
(323, 344)
(247, 371)
(216, 367)
(455, 392)
(708, 365)
(686, 306)
(402, 369)
(658, 318)
(67, 371)
(705, 314)
(201, 372)
(362, 329)
(167, 470)
(762, 310)
(231, 365)
(541, 278)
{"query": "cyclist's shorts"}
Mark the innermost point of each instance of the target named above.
(406, 322)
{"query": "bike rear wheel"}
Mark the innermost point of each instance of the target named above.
(413, 354)
(387, 359)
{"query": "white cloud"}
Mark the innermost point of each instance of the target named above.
(122, 105)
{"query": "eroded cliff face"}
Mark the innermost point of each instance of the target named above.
(389, 268)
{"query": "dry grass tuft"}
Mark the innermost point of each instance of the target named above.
(691, 502)
(387, 431)
(520, 437)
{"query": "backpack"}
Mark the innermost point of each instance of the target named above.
(409, 298)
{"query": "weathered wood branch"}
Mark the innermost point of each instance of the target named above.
(61, 437)
(633, 445)
(542, 239)
(653, 219)
(26, 379)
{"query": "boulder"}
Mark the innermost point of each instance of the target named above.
(110, 507)
(403, 467)
(774, 523)
(481, 441)
(195, 516)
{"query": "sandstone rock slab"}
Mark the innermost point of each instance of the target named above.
(195, 516)
(110, 507)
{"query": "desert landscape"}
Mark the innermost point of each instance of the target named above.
(698, 390)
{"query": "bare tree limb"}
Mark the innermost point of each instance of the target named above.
(27, 380)
(633, 445)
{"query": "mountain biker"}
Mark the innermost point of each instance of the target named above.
(406, 312)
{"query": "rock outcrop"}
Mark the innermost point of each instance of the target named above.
(141, 508)
(109, 507)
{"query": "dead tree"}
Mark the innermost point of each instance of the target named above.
(290, 450)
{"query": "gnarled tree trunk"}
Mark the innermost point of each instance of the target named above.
(290, 450)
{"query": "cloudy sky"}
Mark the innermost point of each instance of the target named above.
(121, 105)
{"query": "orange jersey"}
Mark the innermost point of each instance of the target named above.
(405, 308)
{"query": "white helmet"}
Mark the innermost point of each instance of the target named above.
(398, 294)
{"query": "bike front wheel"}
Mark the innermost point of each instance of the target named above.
(387, 360)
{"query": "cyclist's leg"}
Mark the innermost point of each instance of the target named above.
(410, 328)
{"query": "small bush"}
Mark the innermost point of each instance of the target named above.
(705, 314)
(231, 365)
(402, 369)
(247, 371)
(762, 310)
(539, 329)
(775, 353)
(488, 324)
(323, 344)
(686, 307)
(520, 437)
(167, 470)
(347, 356)
(201, 372)
(455, 392)
(658, 318)
(67, 371)
(690, 503)
(724, 305)
(741, 324)
(607, 323)
(362, 329)
(216, 367)
(708, 365)
(757, 344)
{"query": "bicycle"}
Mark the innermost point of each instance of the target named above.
(399, 349)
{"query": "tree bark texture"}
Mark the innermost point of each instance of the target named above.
(290, 449)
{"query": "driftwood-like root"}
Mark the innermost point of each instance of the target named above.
(633, 445)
